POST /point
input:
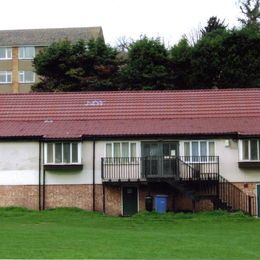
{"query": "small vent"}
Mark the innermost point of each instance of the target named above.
(48, 120)
(94, 103)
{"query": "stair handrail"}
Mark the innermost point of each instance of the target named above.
(236, 198)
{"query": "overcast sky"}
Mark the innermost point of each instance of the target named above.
(168, 19)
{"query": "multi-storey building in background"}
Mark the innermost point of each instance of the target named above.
(19, 47)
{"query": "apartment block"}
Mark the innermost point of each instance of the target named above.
(19, 47)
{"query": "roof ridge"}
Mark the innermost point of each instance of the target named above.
(134, 91)
(54, 28)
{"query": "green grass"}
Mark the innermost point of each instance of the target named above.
(74, 233)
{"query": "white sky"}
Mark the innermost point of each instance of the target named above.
(168, 19)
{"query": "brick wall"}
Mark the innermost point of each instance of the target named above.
(19, 196)
(81, 196)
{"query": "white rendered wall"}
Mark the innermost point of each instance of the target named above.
(229, 158)
(19, 163)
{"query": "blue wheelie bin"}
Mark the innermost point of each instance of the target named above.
(160, 203)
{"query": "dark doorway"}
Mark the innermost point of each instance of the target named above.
(129, 201)
(161, 158)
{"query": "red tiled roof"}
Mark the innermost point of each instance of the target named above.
(72, 115)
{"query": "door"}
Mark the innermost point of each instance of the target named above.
(129, 201)
(258, 199)
(160, 158)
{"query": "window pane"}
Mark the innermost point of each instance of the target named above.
(117, 150)
(58, 153)
(211, 149)
(186, 151)
(133, 150)
(125, 149)
(26, 77)
(5, 76)
(258, 149)
(26, 52)
(195, 150)
(253, 149)
(245, 150)
(75, 153)
(108, 150)
(66, 153)
(9, 77)
(203, 148)
(2, 53)
(49, 153)
(9, 53)
(2, 77)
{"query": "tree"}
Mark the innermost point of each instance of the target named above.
(146, 66)
(213, 24)
(181, 56)
(220, 59)
(251, 10)
(82, 66)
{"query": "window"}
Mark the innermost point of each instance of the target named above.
(26, 52)
(199, 151)
(250, 150)
(5, 53)
(63, 153)
(5, 77)
(121, 149)
(26, 77)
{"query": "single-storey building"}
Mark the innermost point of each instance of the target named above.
(114, 151)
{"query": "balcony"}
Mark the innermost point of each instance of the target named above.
(154, 168)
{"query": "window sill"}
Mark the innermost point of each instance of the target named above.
(249, 164)
(63, 167)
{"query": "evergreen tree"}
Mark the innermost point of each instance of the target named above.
(213, 24)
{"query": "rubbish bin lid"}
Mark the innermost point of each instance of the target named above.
(161, 196)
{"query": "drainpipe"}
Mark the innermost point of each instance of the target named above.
(43, 183)
(94, 175)
(40, 168)
(43, 191)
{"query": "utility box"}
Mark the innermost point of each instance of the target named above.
(160, 203)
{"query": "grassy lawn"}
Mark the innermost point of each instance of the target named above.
(73, 233)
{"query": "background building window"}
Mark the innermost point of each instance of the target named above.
(26, 52)
(5, 53)
(62, 153)
(26, 77)
(251, 150)
(5, 77)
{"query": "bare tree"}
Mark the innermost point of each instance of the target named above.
(123, 43)
(251, 11)
(194, 35)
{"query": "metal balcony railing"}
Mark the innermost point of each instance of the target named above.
(143, 168)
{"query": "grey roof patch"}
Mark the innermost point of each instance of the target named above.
(44, 37)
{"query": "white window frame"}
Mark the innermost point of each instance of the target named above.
(24, 57)
(121, 144)
(6, 53)
(249, 150)
(199, 151)
(24, 81)
(62, 163)
(6, 74)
